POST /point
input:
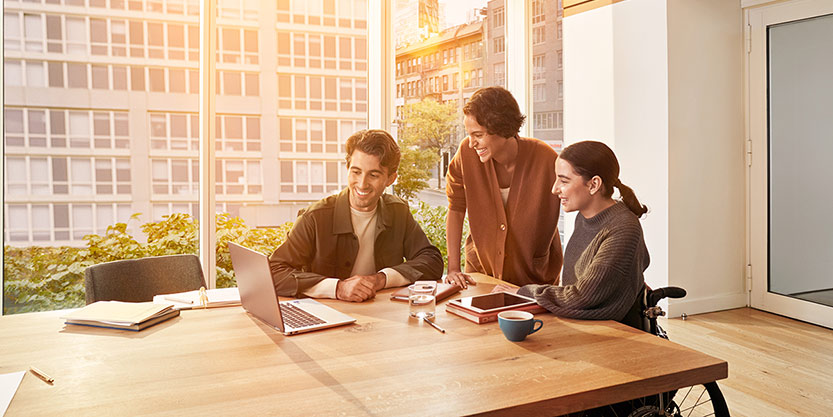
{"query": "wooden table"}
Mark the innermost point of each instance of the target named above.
(225, 362)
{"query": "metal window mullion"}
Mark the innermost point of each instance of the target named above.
(519, 53)
(208, 50)
(380, 55)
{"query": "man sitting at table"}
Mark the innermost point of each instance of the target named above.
(350, 245)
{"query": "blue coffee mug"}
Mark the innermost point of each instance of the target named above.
(517, 325)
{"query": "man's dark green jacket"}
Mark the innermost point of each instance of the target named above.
(322, 245)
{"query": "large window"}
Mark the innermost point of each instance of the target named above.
(102, 126)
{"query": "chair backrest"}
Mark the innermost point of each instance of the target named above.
(140, 279)
(635, 317)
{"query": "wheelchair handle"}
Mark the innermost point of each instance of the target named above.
(660, 293)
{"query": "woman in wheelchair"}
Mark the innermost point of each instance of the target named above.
(603, 270)
(606, 255)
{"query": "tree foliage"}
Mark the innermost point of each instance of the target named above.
(429, 125)
(414, 170)
(52, 278)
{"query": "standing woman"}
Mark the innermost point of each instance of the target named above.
(503, 182)
(606, 255)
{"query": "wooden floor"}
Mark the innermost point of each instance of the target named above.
(777, 366)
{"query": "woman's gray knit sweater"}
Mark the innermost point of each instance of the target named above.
(603, 265)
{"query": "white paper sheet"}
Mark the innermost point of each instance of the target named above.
(8, 386)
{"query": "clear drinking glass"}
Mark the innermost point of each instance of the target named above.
(421, 300)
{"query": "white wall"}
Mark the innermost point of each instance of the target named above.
(707, 154)
(641, 115)
(660, 82)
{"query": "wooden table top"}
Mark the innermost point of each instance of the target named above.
(223, 361)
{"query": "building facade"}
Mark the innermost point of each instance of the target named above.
(101, 110)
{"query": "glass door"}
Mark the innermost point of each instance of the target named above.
(791, 146)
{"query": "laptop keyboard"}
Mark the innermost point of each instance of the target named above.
(296, 318)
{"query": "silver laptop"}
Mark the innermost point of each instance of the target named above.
(257, 293)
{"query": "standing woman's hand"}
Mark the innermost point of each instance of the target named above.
(459, 279)
(506, 288)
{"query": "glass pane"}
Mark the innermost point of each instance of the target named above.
(78, 162)
(444, 53)
(547, 118)
(800, 62)
(321, 77)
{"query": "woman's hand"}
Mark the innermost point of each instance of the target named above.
(505, 288)
(459, 279)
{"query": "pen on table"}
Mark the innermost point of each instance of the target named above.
(42, 375)
(434, 325)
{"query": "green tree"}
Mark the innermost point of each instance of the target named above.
(429, 125)
(414, 170)
(51, 278)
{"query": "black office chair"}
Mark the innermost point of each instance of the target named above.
(140, 279)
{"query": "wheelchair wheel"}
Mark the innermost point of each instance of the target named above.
(696, 401)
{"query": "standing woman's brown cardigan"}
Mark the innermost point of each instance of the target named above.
(519, 244)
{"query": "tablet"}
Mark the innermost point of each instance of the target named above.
(494, 302)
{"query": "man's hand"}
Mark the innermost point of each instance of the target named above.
(360, 288)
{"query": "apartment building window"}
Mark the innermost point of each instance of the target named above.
(445, 82)
(560, 56)
(237, 45)
(238, 9)
(175, 176)
(538, 15)
(329, 52)
(12, 36)
(538, 35)
(51, 222)
(112, 176)
(547, 120)
(560, 89)
(301, 176)
(238, 133)
(31, 127)
(237, 177)
(539, 92)
(558, 30)
(500, 74)
(498, 17)
(174, 131)
(499, 45)
(344, 14)
(236, 83)
(538, 69)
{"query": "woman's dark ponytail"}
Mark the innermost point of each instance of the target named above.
(590, 158)
(630, 200)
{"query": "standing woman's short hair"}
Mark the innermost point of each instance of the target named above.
(495, 109)
(591, 158)
(378, 143)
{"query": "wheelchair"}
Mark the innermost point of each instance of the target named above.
(699, 400)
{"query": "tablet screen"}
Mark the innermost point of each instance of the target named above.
(493, 301)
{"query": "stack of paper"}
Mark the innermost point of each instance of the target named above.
(121, 315)
(218, 297)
